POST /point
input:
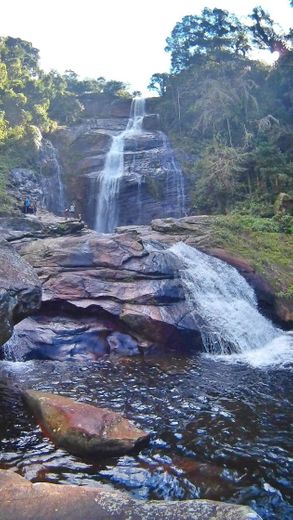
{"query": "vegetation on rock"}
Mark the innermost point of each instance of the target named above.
(229, 115)
(32, 101)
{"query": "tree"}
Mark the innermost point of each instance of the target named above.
(65, 108)
(16, 49)
(265, 35)
(214, 33)
(159, 82)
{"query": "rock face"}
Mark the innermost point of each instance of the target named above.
(65, 336)
(20, 290)
(22, 500)
(151, 177)
(117, 275)
(118, 293)
(23, 181)
(83, 429)
(45, 225)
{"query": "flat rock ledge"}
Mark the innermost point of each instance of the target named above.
(22, 500)
(83, 429)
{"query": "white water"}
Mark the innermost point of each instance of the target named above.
(109, 183)
(227, 306)
(52, 184)
(175, 180)
(278, 352)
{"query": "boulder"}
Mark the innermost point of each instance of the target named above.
(116, 274)
(22, 500)
(84, 429)
(44, 225)
(20, 290)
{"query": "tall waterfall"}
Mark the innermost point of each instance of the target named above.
(51, 171)
(109, 183)
(225, 303)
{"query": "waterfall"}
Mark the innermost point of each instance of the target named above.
(175, 179)
(226, 304)
(109, 182)
(51, 175)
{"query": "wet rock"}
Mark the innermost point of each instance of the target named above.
(22, 500)
(42, 226)
(83, 429)
(152, 122)
(59, 338)
(20, 290)
(97, 105)
(122, 344)
(150, 178)
(117, 274)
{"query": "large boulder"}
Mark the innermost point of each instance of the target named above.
(84, 429)
(118, 275)
(30, 227)
(20, 290)
(22, 500)
(68, 337)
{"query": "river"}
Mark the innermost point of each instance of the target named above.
(220, 427)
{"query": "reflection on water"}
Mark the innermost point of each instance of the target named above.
(219, 431)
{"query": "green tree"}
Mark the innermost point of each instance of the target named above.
(265, 34)
(214, 33)
(159, 82)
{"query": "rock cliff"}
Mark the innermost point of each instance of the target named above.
(151, 178)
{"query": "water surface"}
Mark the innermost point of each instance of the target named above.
(219, 430)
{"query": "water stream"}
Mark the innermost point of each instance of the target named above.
(230, 321)
(151, 167)
(52, 178)
(109, 182)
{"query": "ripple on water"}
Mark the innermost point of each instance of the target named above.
(219, 430)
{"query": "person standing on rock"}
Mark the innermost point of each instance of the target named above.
(26, 204)
(71, 210)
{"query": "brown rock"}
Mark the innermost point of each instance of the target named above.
(20, 290)
(22, 500)
(81, 428)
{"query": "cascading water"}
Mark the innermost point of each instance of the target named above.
(175, 179)
(109, 182)
(51, 174)
(225, 303)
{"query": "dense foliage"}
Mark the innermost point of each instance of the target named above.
(229, 115)
(32, 101)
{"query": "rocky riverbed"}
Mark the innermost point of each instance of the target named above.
(109, 297)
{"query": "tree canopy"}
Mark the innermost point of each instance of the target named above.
(229, 115)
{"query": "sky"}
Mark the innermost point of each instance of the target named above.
(117, 39)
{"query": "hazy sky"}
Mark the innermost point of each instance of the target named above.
(117, 39)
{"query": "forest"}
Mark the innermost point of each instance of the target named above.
(229, 114)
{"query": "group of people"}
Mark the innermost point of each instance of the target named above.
(29, 205)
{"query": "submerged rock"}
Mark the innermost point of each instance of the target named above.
(84, 429)
(22, 500)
